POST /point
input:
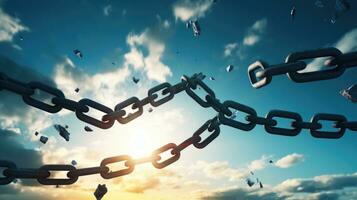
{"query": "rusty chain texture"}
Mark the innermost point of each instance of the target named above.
(188, 84)
(260, 73)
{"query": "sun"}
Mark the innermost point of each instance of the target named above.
(140, 145)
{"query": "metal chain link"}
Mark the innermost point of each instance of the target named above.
(260, 73)
(189, 85)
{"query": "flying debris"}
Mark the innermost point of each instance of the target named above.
(195, 27)
(250, 183)
(78, 53)
(36, 133)
(66, 126)
(319, 3)
(350, 93)
(62, 131)
(150, 110)
(88, 129)
(21, 38)
(252, 173)
(74, 163)
(260, 184)
(43, 139)
(76, 90)
(135, 80)
(293, 13)
(271, 162)
(212, 78)
(341, 7)
(188, 24)
(100, 191)
(229, 68)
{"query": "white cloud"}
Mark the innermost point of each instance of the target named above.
(346, 43)
(229, 49)
(289, 160)
(255, 32)
(188, 9)
(151, 64)
(107, 10)
(10, 26)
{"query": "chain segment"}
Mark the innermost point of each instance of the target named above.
(260, 73)
(189, 85)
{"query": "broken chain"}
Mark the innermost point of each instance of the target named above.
(188, 84)
(260, 73)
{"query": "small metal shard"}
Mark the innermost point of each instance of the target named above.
(250, 183)
(350, 93)
(100, 191)
(78, 53)
(88, 129)
(76, 90)
(229, 68)
(135, 80)
(293, 13)
(43, 139)
(74, 163)
(150, 110)
(62, 131)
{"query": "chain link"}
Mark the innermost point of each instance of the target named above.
(260, 73)
(189, 84)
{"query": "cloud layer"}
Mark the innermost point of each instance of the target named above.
(187, 9)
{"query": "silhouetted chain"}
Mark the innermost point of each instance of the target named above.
(260, 73)
(190, 85)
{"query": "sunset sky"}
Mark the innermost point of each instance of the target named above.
(149, 40)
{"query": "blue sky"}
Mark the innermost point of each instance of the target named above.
(149, 40)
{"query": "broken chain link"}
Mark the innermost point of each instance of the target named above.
(260, 73)
(188, 84)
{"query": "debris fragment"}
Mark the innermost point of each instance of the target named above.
(66, 126)
(36, 133)
(150, 110)
(260, 184)
(252, 173)
(76, 90)
(100, 191)
(62, 131)
(135, 80)
(88, 129)
(270, 161)
(195, 27)
(74, 163)
(43, 139)
(250, 182)
(319, 3)
(212, 78)
(229, 68)
(293, 13)
(341, 7)
(21, 38)
(78, 53)
(350, 93)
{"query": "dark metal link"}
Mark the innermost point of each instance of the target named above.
(56, 181)
(252, 71)
(217, 105)
(236, 124)
(15, 86)
(27, 173)
(40, 105)
(142, 160)
(162, 164)
(70, 104)
(345, 60)
(98, 123)
(261, 120)
(195, 97)
(306, 125)
(350, 125)
(87, 171)
(167, 88)
(8, 165)
(328, 134)
(215, 133)
(120, 113)
(185, 144)
(123, 158)
(315, 75)
(281, 69)
(283, 131)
